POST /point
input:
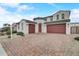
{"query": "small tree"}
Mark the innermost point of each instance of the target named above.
(76, 38)
(5, 29)
(5, 25)
(14, 32)
(8, 33)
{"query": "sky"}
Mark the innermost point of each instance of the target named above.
(14, 12)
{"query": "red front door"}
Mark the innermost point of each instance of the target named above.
(31, 28)
(39, 27)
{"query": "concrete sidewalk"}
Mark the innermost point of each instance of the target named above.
(2, 51)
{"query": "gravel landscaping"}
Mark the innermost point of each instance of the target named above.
(41, 45)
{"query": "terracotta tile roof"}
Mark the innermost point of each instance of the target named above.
(39, 18)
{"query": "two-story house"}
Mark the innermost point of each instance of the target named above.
(56, 23)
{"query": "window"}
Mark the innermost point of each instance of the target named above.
(62, 16)
(57, 17)
(51, 19)
(22, 26)
(45, 19)
(18, 26)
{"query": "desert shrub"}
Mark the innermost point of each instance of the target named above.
(14, 32)
(2, 34)
(20, 33)
(76, 38)
(8, 33)
(9, 36)
(5, 29)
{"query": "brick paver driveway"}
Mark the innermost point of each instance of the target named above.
(39, 44)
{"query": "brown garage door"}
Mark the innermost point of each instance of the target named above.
(56, 28)
(31, 28)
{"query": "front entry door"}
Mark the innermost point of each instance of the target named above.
(39, 27)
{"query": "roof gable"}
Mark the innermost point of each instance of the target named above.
(27, 21)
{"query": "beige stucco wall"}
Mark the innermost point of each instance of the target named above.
(67, 28)
(36, 28)
(44, 29)
(18, 30)
(27, 29)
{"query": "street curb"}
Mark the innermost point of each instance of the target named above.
(2, 51)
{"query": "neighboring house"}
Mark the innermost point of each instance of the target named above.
(74, 28)
(6, 25)
(26, 26)
(57, 23)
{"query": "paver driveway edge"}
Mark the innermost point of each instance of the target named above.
(2, 51)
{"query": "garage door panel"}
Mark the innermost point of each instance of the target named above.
(56, 28)
(31, 28)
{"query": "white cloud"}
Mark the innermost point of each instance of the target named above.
(74, 15)
(7, 17)
(10, 4)
(19, 8)
(24, 8)
(2, 11)
(15, 18)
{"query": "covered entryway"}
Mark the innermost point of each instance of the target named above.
(56, 28)
(39, 27)
(75, 30)
(31, 28)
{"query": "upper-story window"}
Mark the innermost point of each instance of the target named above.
(57, 17)
(45, 19)
(51, 19)
(62, 16)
